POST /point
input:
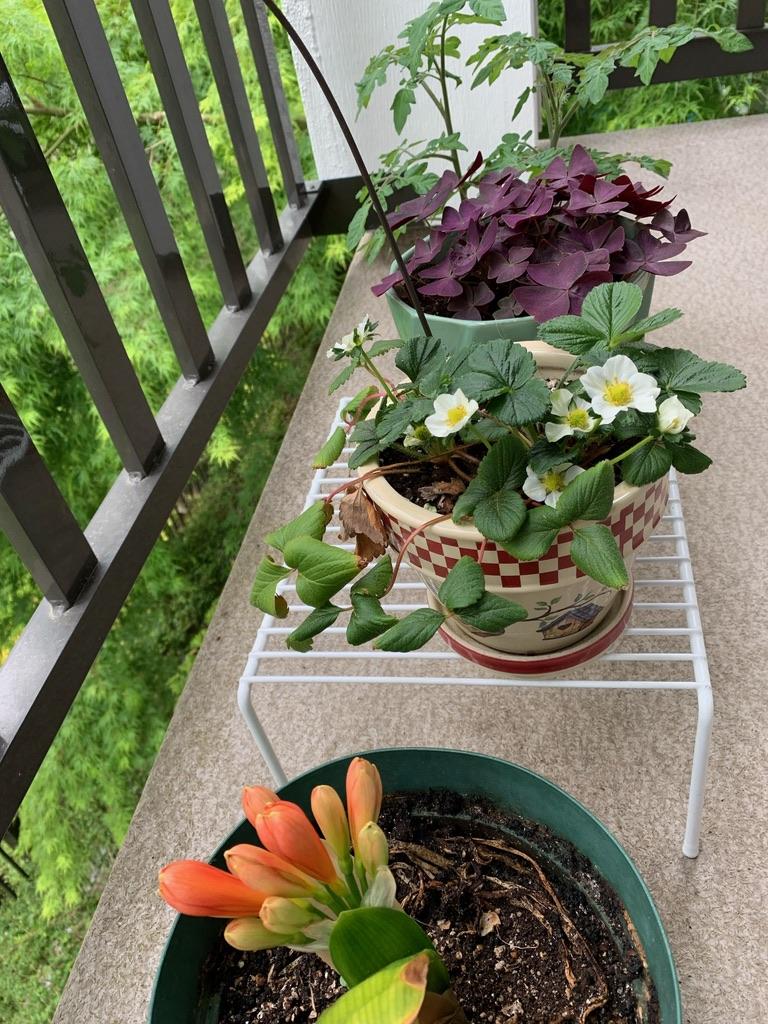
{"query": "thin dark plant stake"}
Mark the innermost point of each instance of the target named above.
(358, 158)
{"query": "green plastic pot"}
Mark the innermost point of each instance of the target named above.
(176, 997)
(519, 328)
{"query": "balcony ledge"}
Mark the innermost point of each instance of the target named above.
(625, 755)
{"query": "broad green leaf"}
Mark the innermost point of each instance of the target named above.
(311, 523)
(331, 450)
(323, 569)
(570, 333)
(687, 459)
(647, 464)
(491, 10)
(356, 228)
(263, 596)
(642, 327)
(588, 496)
(731, 40)
(375, 582)
(544, 456)
(537, 534)
(365, 940)
(611, 308)
(341, 378)
(404, 100)
(415, 355)
(368, 445)
(393, 995)
(492, 496)
(492, 613)
(464, 584)
(678, 369)
(412, 632)
(392, 421)
(595, 551)
(368, 620)
(504, 375)
(317, 621)
(383, 345)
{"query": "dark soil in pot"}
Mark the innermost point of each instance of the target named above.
(530, 933)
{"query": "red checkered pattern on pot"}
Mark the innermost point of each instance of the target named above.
(631, 525)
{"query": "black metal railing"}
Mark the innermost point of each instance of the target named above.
(701, 58)
(85, 575)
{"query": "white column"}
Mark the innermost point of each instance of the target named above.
(343, 34)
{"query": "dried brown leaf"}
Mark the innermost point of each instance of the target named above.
(488, 921)
(430, 491)
(361, 520)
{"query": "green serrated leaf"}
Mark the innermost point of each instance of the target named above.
(649, 323)
(402, 104)
(263, 596)
(504, 376)
(489, 10)
(311, 523)
(492, 613)
(588, 496)
(383, 345)
(392, 421)
(368, 619)
(331, 450)
(680, 370)
(376, 581)
(464, 585)
(317, 621)
(687, 459)
(368, 445)
(416, 354)
(544, 456)
(323, 569)
(570, 333)
(366, 939)
(492, 496)
(341, 378)
(537, 534)
(412, 632)
(356, 228)
(611, 308)
(647, 464)
(595, 551)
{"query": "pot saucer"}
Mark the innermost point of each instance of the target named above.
(542, 665)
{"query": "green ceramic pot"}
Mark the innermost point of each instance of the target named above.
(176, 999)
(519, 328)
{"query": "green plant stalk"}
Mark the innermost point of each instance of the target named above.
(447, 105)
(374, 371)
(633, 449)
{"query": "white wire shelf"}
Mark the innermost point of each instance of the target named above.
(662, 648)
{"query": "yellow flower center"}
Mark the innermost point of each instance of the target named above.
(617, 392)
(456, 414)
(578, 419)
(553, 481)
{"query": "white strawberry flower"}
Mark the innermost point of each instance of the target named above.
(617, 386)
(364, 331)
(571, 416)
(452, 412)
(672, 416)
(550, 485)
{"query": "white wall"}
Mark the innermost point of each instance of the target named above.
(343, 34)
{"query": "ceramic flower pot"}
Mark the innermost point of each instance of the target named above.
(179, 997)
(563, 604)
(520, 328)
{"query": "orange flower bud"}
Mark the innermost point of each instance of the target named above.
(372, 848)
(248, 933)
(332, 818)
(255, 799)
(364, 793)
(286, 831)
(287, 916)
(202, 890)
(268, 873)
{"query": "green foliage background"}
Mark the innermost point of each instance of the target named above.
(79, 807)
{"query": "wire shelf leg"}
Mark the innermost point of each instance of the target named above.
(257, 731)
(698, 772)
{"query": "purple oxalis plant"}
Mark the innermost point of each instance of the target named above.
(535, 247)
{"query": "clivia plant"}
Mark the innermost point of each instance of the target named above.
(333, 896)
(520, 457)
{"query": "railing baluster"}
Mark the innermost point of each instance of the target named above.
(662, 12)
(92, 67)
(174, 83)
(35, 517)
(265, 59)
(750, 14)
(578, 25)
(234, 101)
(43, 229)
